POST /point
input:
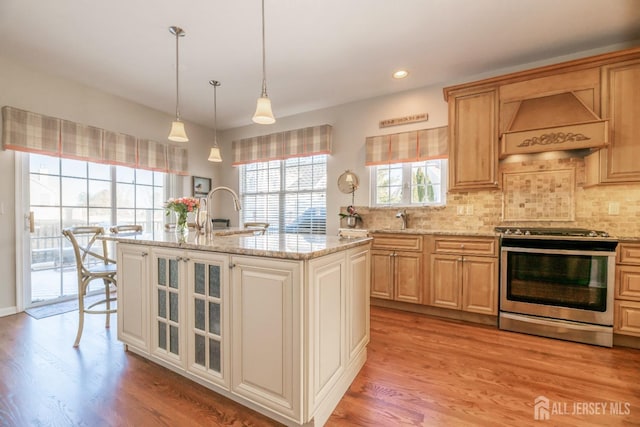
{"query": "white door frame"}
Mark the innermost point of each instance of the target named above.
(23, 254)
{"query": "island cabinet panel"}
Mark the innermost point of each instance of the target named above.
(266, 328)
(359, 273)
(133, 296)
(168, 281)
(327, 318)
(208, 333)
(473, 139)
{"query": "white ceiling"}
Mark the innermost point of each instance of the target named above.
(320, 53)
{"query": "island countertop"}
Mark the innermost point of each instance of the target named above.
(274, 245)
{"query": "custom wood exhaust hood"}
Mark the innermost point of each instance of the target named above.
(555, 122)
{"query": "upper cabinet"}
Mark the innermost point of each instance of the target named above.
(621, 105)
(588, 104)
(473, 136)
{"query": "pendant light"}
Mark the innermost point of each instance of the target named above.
(177, 133)
(214, 154)
(263, 114)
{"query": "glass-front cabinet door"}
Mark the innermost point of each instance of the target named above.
(207, 341)
(167, 287)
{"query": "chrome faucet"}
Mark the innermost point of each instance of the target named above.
(402, 214)
(236, 205)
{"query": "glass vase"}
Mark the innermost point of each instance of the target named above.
(182, 229)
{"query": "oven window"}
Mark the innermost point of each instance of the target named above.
(566, 280)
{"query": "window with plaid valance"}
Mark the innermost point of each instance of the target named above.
(283, 145)
(31, 132)
(414, 146)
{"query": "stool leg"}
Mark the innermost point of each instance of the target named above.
(81, 292)
(107, 295)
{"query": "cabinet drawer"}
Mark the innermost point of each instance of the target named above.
(397, 242)
(629, 253)
(466, 245)
(627, 318)
(628, 282)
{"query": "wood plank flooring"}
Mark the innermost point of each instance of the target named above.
(421, 371)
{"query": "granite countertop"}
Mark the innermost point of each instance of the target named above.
(435, 232)
(285, 246)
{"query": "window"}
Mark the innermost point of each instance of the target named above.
(66, 193)
(291, 194)
(406, 184)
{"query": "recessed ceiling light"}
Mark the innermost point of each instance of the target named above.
(400, 74)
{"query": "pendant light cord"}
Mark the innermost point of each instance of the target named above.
(177, 78)
(264, 67)
(215, 85)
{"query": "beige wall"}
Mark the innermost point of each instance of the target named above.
(39, 92)
(352, 123)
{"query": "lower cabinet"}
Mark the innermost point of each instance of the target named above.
(627, 296)
(397, 263)
(208, 326)
(133, 295)
(266, 302)
(461, 279)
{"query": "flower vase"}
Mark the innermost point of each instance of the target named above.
(182, 229)
(351, 221)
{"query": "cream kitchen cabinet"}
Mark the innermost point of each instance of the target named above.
(473, 138)
(397, 265)
(133, 295)
(208, 317)
(266, 332)
(284, 336)
(627, 294)
(464, 274)
(168, 292)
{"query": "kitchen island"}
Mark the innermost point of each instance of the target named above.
(276, 322)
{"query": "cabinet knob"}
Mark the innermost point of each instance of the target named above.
(462, 246)
(231, 266)
(179, 258)
(144, 254)
(186, 259)
(460, 259)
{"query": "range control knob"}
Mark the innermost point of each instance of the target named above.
(527, 233)
(604, 234)
(518, 232)
(592, 234)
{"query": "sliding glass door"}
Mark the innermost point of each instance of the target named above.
(65, 193)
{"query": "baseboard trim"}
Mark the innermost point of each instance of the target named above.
(8, 311)
(626, 341)
(484, 319)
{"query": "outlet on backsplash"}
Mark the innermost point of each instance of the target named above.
(614, 208)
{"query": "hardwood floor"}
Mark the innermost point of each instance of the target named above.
(420, 371)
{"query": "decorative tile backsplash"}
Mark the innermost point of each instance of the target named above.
(481, 211)
(532, 196)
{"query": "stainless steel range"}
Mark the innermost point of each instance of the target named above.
(558, 282)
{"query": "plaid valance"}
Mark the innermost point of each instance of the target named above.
(35, 133)
(283, 145)
(404, 147)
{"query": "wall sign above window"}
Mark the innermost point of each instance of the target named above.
(413, 118)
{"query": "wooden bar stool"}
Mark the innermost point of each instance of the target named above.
(92, 263)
